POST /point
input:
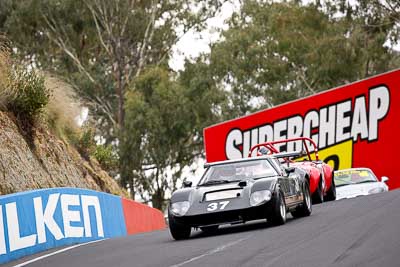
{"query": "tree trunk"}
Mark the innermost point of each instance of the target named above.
(132, 188)
(158, 200)
(121, 98)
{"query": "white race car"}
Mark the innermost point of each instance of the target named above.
(358, 182)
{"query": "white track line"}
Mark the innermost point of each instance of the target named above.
(56, 252)
(211, 252)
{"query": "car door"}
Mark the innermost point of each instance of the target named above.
(285, 187)
(292, 181)
(286, 182)
(295, 188)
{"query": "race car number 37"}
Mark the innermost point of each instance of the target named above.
(217, 205)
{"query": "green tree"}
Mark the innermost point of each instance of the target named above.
(166, 115)
(276, 52)
(100, 46)
(373, 26)
(157, 132)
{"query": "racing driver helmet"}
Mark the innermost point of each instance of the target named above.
(262, 151)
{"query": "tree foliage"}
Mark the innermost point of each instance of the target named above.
(274, 52)
(101, 46)
(164, 130)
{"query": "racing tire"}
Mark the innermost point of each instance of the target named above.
(305, 208)
(278, 210)
(331, 194)
(178, 230)
(209, 229)
(318, 196)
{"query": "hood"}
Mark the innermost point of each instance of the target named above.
(197, 194)
(354, 190)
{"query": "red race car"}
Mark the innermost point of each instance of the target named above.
(320, 174)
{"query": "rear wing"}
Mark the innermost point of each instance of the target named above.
(276, 152)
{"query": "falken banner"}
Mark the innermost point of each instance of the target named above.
(356, 125)
(34, 221)
(38, 220)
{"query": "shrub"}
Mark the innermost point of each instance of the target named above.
(22, 90)
(84, 142)
(29, 94)
(106, 157)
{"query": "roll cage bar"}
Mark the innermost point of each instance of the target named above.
(273, 150)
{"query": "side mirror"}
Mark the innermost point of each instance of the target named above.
(242, 183)
(384, 179)
(187, 183)
(290, 169)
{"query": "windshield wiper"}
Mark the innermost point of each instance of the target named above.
(260, 177)
(216, 182)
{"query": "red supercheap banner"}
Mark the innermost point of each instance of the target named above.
(356, 125)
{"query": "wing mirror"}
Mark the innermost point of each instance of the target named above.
(384, 179)
(187, 183)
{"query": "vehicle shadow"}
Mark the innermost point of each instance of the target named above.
(238, 228)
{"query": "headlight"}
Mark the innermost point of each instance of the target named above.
(260, 197)
(376, 190)
(180, 208)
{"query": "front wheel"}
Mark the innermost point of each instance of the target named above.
(278, 211)
(178, 231)
(305, 208)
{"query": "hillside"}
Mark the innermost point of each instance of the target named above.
(40, 160)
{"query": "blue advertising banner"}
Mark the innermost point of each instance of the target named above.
(37, 220)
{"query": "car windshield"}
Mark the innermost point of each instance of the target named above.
(346, 177)
(237, 171)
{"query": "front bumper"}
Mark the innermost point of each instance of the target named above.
(226, 217)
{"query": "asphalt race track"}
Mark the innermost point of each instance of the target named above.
(364, 231)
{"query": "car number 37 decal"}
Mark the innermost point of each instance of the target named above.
(217, 205)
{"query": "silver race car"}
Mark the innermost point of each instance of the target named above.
(358, 182)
